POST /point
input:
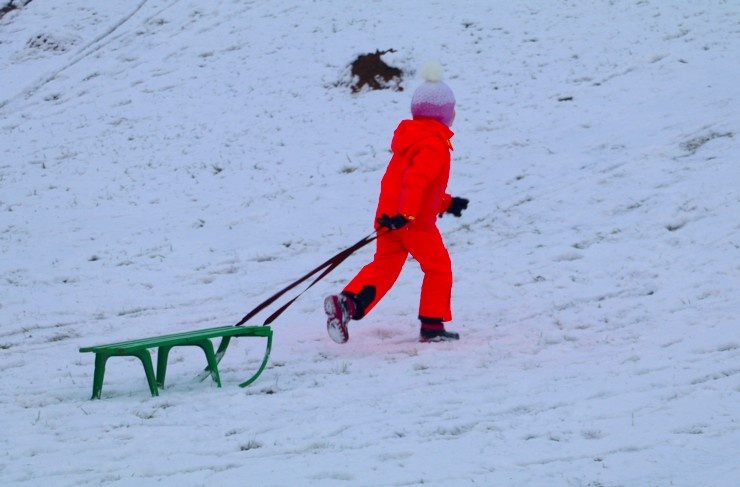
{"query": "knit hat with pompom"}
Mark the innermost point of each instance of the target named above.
(433, 98)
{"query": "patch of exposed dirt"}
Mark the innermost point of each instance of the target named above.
(370, 70)
(12, 5)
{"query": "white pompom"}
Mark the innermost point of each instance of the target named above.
(432, 71)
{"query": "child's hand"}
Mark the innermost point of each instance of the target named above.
(457, 206)
(393, 223)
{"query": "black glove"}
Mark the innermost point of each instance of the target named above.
(457, 206)
(394, 223)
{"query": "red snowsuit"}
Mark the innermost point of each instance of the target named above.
(414, 185)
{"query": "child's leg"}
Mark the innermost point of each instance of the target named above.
(377, 277)
(427, 247)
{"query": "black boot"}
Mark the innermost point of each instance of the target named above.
(433, 330)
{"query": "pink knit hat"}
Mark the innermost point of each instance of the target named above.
(433, 98)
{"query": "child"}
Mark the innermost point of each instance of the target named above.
(412, 194)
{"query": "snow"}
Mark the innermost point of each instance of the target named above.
(166, 165)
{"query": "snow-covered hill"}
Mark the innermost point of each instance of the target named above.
(166, 165)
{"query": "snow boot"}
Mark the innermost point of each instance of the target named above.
(434, 331)
(339, 308)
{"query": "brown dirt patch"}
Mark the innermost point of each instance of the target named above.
(370, 70)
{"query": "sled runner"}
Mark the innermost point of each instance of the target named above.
(163, 344)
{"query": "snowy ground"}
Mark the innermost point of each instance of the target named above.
(166, 165)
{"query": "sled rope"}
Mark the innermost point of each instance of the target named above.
(327, 267)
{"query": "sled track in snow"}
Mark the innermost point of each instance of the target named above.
(85, 51)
